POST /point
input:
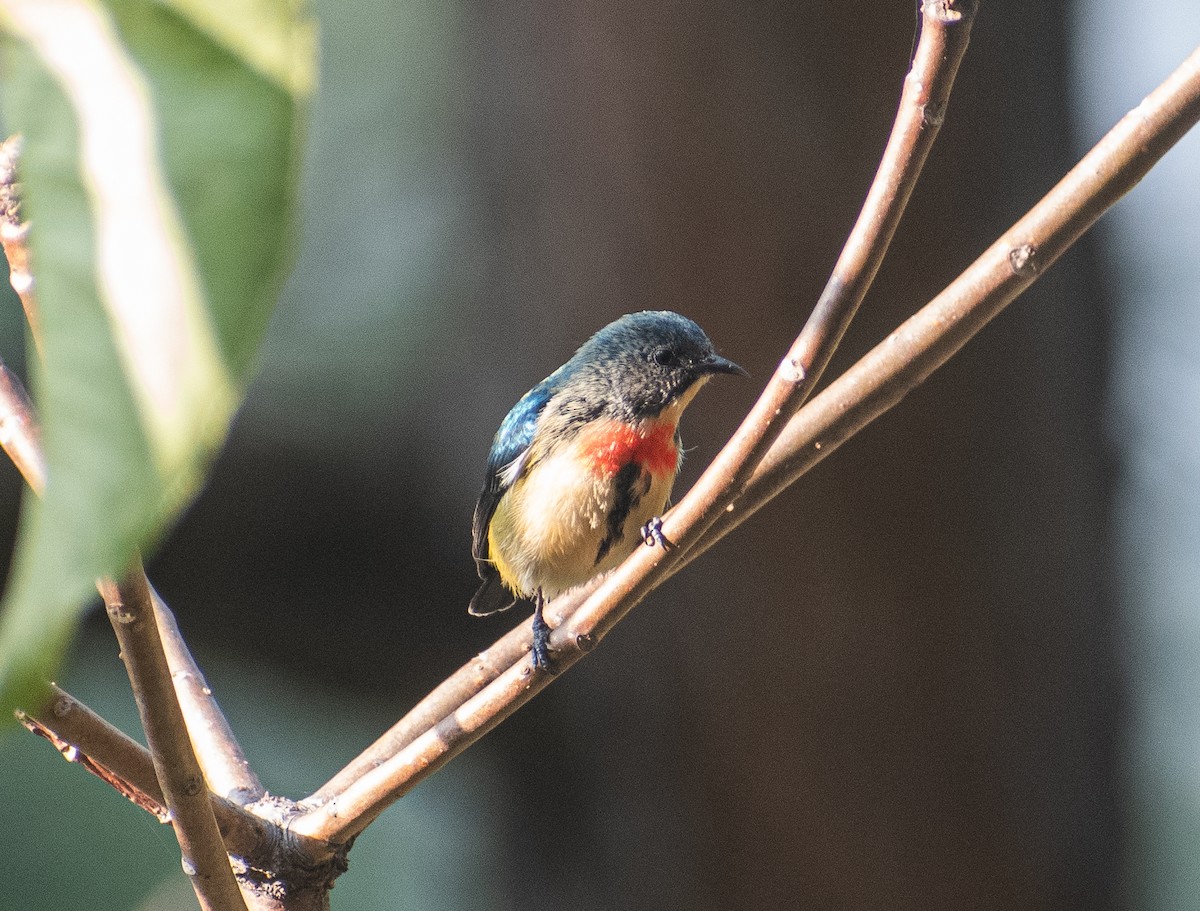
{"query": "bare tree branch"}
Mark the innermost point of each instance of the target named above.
(945, 32)
(131, 610)
(175, 702)
(443, 700)
(19, 431)
(220, 755)
(14, 235)
(927, 340)
(348, 813)
(83, 737)
(876, 383)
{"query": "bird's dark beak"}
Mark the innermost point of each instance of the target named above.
(714, 363)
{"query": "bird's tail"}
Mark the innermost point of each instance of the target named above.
(492, 597)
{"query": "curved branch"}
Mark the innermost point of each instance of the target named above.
(875, 384)
(85, 738)
(1014, 262)
(14, 235)
(110, 754)
(225, 766)
(130, 608)
(945, 32)
(19, 433)
(221, 756)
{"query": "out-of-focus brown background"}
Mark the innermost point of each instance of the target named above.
(898, 687)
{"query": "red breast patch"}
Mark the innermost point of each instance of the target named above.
(609, 446)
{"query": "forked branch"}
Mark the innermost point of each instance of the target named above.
(130, 608)
(1014, 262)
(470, 703)
(778, 442)
(83, 737)
(496, 683)
(14, 235)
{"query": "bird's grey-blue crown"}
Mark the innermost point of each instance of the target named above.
(637, 365)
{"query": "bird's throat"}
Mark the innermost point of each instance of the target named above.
(608, 446)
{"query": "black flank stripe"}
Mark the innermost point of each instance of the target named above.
(628, 493)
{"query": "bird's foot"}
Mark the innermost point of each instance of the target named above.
(652, 534)
(541, 643)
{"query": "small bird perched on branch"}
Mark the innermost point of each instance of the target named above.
(581, 468)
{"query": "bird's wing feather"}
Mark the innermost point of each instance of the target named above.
(492, 597)
(506, 462)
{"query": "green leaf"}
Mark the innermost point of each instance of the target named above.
(160, 167)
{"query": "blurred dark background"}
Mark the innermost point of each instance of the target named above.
(904, 685)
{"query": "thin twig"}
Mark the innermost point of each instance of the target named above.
(346, 815)
(131, 610)
(876, 383)
(440, 703)
(945, 33)
(18, 429)
(14, 235)
(83, 737)
(19, 434)
(221, 757)
(922, 344)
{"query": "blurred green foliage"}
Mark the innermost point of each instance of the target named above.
(160, 167)
(370, 292)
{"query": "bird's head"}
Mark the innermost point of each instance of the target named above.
(643, 364)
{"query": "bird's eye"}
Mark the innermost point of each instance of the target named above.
(664, 357)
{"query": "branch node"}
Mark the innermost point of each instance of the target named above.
(1023, 260)
(10, 195)
(941, 10)
(933, 114)
(432, 733)
(792, 371)
(119, 614)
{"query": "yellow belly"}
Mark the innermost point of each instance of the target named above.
(547, 529)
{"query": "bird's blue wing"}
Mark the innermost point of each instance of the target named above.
(504, 466)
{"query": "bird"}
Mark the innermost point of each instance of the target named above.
(581, 469)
